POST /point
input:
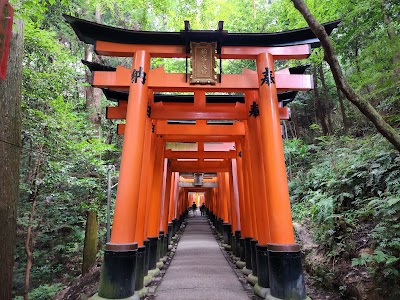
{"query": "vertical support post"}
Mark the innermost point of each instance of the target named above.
(153, 230)
(110, 167)
(144, 184)
(250, 207)
(118, 272)
(285, 270)
(259, 252)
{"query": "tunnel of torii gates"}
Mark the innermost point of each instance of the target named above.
(201, 136)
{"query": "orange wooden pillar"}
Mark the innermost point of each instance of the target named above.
(143, 249)
(235, 185)
(148, 188)
(250, 206)
(259, 190)
(234, 200)
(283, 254)
(227, 225)
(115, 284)
(167, 187)
(144, 183)
(153, 230)
(173, 204)
(245, 226)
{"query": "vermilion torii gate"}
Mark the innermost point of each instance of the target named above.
(251, 204)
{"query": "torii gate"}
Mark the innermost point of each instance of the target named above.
(251, 204)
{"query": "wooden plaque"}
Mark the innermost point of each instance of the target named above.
(203, 63)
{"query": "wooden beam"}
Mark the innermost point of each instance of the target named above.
(200, 138)
(159, 81)
(200, 166)
(228, 52)
(201, 155)
(200, 128)
(184, 112)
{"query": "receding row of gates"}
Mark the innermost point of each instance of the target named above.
(235, 139)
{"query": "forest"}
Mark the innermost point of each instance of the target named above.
(344, 174)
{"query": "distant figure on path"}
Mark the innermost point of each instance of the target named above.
(203, 209)
(194, 208)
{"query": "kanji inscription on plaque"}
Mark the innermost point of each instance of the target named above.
(203, 63)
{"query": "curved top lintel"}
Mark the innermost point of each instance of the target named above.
(90, 32)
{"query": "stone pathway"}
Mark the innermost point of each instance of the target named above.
(199, 270)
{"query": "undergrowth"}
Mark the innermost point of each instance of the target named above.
(349, 190)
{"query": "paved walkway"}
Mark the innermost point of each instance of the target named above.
(199, 270)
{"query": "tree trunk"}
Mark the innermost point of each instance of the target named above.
(362, 104)
(30, 237)
(343, 111)
(295, 121)
(319, 111)
(328, 107)
(10, 139)
(90, 247)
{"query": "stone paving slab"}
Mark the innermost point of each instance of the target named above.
(199, 270)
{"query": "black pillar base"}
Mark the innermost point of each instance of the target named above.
(242, 253)
(160, 249)
(220, 226)
(233, 244)
(247, 252)
(227, 232)
(153, 253)
(237, 246)
(166, 243)
(175, 226)
(118, 271)
(262, 265)
(147, 256)
(285, 272)
(170, 232)
(140, 261)
(253, 250)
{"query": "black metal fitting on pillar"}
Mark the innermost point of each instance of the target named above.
(237, 241)
(118, 271)
(247, 252)
(227, 232)
(147, 256)
(253, 250)
(140, 266)
(242, 253)
(262, 265)
(286, 276)
(153, 253)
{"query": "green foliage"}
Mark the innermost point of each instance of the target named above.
(350, 193)
(44, 292)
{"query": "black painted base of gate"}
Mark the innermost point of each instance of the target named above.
(118, 271)
(286, 277)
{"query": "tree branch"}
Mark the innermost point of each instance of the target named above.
(362, 104)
